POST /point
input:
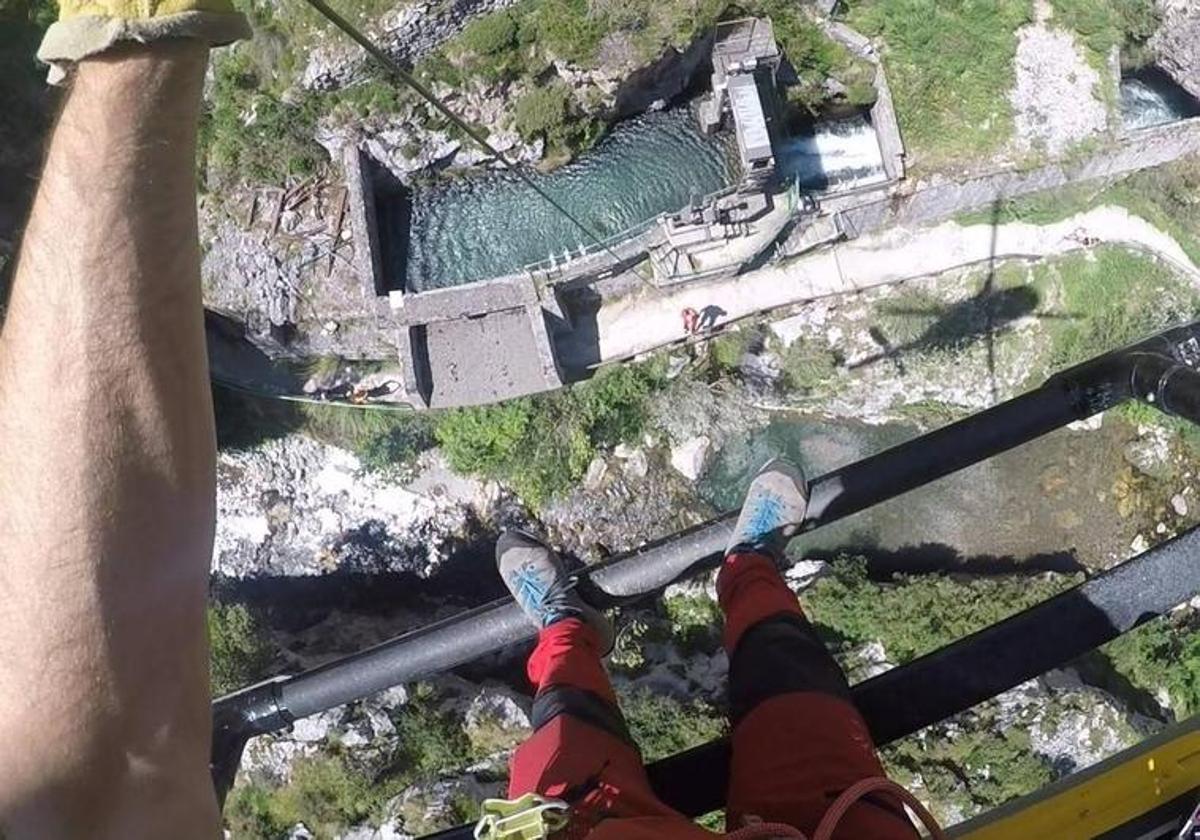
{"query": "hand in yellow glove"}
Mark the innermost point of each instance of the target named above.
(90, 27)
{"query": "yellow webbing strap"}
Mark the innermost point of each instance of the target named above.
(531, 817)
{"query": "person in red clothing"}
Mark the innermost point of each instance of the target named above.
(798, 742)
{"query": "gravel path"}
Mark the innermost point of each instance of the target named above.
(651, 318)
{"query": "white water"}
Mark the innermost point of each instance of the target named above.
(833, 155)
(1151, 98)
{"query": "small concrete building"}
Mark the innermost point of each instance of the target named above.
(745, 56)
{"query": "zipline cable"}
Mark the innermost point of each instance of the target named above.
(475, 134)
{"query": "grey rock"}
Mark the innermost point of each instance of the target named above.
(690, 457)
(1176, 45)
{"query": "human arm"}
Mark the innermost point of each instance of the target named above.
(107, 469)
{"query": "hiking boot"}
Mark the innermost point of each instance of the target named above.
(542, 588)
(773, 510)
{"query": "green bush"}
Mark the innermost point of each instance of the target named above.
(978, 769)
(1163, 654)
(383, 439)
(239, 652)
(492, 34)
(695, 620)
(725, 352)
(326, 793)
(809, 366)
(542, 445)
(545, 112)
(430, 741)
(1104, 24)
(332, 791)
(815, 58)
(662, 725)
(567, 29)
(249, 133)
(950, 66)
(913, 615)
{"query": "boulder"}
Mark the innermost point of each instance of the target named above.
(690, 457)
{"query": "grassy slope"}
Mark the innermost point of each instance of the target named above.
(950, 65)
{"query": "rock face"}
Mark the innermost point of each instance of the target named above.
(408, 33)
(1177, 43)
(661, 81)
(298, 507)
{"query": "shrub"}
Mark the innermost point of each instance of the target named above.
(249, 133)
(383, 439)
(1163, 654)
(662, 726)
(492, 34)
(1104, 24)
(808, 366)
(1113, 297)
(239, 652)
(429, 740)
(978, 769)
(695, 621)
(542, 445)
(913, 615)
(545, 112)
(484, 440)
(326, 793)
(567, 29)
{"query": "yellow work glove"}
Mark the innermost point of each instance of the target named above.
(89, 27)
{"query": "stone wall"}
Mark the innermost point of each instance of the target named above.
(883, 112)
(930, 202)
(360, 207)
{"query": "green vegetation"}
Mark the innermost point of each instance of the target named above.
(327, 793)
(809, 367)
(913, 615)
(239, 651)
(382, 439)
(725, 352)
(1163, 654)
(333, 791)
(695, 622)
(549, 112)
(542, 445)
(250, 131)
(950, 66)
(1111, 297)
(978, 769)
(1104, 24)
(662, 725)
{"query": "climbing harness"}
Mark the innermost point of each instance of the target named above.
(531, 817)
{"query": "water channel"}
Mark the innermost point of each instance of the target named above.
(1150, 97)
(494, 224)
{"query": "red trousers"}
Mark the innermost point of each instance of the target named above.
(798, 742)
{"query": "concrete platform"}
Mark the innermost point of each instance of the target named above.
(482, 359)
